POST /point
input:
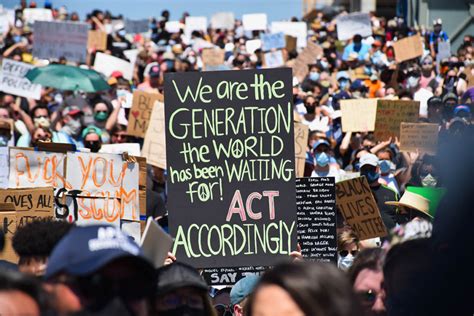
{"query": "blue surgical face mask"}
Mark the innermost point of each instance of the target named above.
(121, 93)
(385, 166)
(314, 76)
(322, 159)
(371, 176)
(17, 38)
(122, 33)
(324, 64)
(345, 263)
(343, 84)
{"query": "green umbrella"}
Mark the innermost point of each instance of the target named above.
(70, 78)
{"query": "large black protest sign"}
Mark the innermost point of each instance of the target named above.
(316, 211)
(230, 156)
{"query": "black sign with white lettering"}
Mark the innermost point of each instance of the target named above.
(316, 213)
(229, 276)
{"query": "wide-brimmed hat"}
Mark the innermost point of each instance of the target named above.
(413, 201)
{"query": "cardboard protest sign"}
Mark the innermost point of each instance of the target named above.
(316, 212)
(213, 57)
(352, 24)
(111, 181)
(4, 167)
(306, 57)
(136, 26)
(273, 59)
(140, 112)
(32, 15)
(357, 205)
(131, 148)
(29, 168)
(54, 40)
(13, 81)
(106, 64)
(30, 204)
(390, 113)
(290, 43)
(301, 141)
(173, 26)
(229, 276)
(252, 45)
(223, 20)
(230, 159)
(254, 22)
(408, 48)
(195, 23)
(295, 29)
(358, 115)
(272, 41)
(97, 40)
(156, 243)
(419, 136)
(154, 146)
(444, 51)
(8, 226)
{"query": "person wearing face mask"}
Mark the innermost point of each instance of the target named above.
(92, 138)
(411, 207)
(387, 167)
(41, 119)
(312, 78)
(347, 249)
(322, 161)
(72, 126)
(181, 291)
(428, 74)
(369, 167)
(343, 80)
(419, 93)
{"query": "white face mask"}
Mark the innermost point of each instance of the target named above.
(413, 82)
(344, 263)
(429, 181)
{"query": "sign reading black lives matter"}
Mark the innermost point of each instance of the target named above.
(230, 155)
(316, 211)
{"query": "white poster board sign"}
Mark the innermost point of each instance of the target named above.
(195, 23)
(7, 19)
(252, 45)
(107, 64)
(352, 24)
(173, 26)
(274, 59)
(31, 15)
(223, 20)
(61, 39)
(254, 21)
(13, 81)
(295, 29)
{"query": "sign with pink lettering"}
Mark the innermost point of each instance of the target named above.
(231, 160)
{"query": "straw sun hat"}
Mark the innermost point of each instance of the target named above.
(413, 201)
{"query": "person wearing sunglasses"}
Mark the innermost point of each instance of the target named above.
(99, 270)
(366, 277)
(347, 249)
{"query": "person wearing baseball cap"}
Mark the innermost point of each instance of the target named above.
(72, 125)
(152, 78)
(240, 291)
(322, 161)
(98, 268)
(181, 291)
(369, 167)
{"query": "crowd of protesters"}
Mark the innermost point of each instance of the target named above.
(97, 270)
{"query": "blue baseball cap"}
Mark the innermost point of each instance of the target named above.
(320, 142)
(86, 249)
(461, 108)
(243, 288)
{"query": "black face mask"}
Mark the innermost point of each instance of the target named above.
(310, 109)
(94, 146)
(183, 310)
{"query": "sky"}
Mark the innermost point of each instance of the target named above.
(136, 9)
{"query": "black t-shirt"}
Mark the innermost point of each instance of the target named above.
(383, 194)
